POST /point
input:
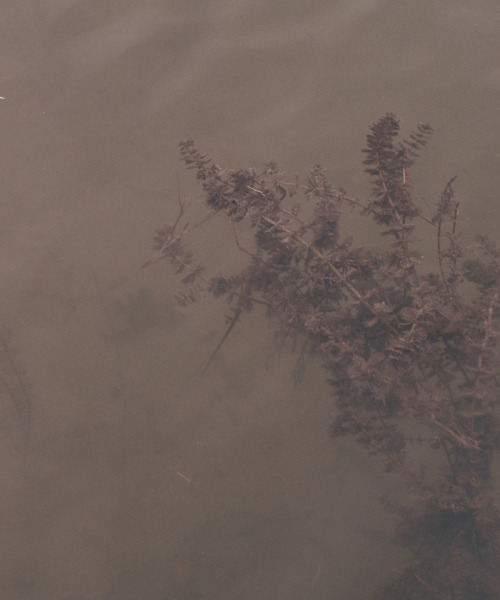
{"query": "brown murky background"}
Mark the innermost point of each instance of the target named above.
(126, 475)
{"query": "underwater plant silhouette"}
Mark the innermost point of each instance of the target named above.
(410, 354)
(16, 388)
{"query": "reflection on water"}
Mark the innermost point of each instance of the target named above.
(127, 475)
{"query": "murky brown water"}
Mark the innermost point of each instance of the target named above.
(125, 474)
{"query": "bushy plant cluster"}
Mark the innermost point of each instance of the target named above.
(408, 343)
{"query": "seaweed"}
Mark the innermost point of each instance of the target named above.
(410, 354)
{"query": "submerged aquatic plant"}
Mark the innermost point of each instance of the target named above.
(409, 343)
(14, 388)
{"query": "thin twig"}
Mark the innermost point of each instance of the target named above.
(316, 576)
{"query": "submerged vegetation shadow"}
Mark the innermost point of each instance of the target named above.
(402, 341)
